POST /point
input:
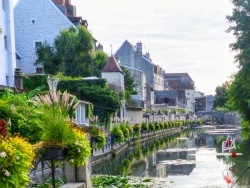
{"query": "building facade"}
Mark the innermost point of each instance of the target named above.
(36, 21)
(132, 56)
(184, 85)
(7, 44)
(114, 74)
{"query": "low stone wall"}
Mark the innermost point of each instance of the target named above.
(119, 148)
(79, 174)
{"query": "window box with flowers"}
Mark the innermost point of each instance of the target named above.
(16, 159)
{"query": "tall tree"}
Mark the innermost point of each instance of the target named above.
(72, 54)
(239, 90)
(220, 98)
(129, 82)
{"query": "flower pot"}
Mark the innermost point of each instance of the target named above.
(54, 152)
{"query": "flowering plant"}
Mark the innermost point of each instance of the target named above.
(137, 129)
(98, 136)
(16, 157)
(117, 134)
(78, 148)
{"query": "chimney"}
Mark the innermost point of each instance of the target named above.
(67, 2)
(139, 47)
(59, 2)
(18, 78)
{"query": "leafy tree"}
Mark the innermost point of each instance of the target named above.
(128, 82)
(21, 115)
(72, 54)
(99, 61)
(239, 90)
(220, 98)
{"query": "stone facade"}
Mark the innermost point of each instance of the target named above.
(204, 103)
(36, 21)
(134, 116)
(114, 78)
(132, 56)
(7, 43)
(184, 85)
(80, 174)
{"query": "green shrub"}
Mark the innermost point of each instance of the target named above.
(144, 127)
(117, 133)
(137, 129)
(151, 126)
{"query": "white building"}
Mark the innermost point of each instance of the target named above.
(36, 21)
(113, 74)
(7, 44)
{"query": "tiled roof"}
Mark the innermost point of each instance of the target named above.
(112, 66)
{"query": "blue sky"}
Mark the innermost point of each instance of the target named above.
(180, 35)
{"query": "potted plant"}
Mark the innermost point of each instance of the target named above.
(117, 135)
(137, 129)
(60, 136)
(78, 148)
(125, 130)
(98, 137)
(151, 126)
(144, 127)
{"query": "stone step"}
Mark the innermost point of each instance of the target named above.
(74, 185)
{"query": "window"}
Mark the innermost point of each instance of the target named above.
(38, 44)
(33, 21)
(39, 70)
(80, 114)
(5, 43)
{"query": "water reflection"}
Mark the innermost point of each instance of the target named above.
(189, 159)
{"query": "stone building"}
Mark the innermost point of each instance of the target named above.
(37, 21)
(7, 44)
(132, 56)
(114, 74)
(184, 85)
(204, 103)
(131, 110)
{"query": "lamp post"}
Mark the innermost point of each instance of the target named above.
(123, 102)
(52, 82)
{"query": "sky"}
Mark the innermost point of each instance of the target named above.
(182, 36)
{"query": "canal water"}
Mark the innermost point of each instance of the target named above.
(191, 159)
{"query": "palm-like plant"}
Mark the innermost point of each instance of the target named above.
(64, 103)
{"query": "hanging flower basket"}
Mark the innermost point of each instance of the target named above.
(54, 152)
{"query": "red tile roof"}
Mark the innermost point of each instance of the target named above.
(112, 66)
